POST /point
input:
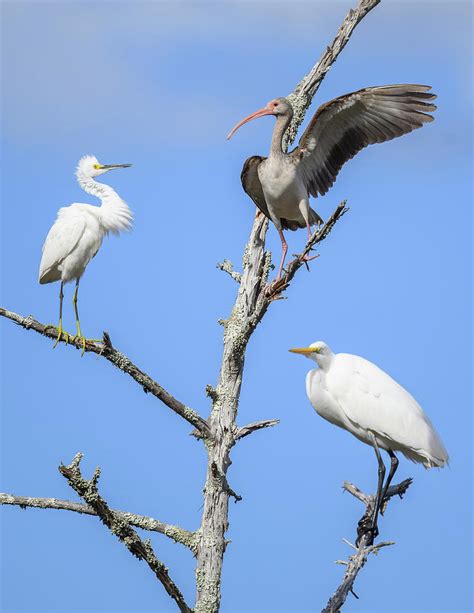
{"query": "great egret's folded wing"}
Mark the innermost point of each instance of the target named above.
(373, 401)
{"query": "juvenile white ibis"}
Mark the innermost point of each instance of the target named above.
(354, 394)
(77, 234)
(281, 184)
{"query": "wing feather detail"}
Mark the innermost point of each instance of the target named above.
(342, 127)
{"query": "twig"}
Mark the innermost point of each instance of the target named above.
(177, 534)
(87, 489)
(257, 425)
(357, 560)
(228, 267)
(119, 360)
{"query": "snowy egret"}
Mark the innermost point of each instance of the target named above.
(281, 184)
(354, 394)
(77, 234)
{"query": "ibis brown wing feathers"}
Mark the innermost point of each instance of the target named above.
(343, 126)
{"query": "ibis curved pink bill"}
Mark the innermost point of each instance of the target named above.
(281, 184)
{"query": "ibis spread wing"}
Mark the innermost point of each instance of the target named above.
(342, 127)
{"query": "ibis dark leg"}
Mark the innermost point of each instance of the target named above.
(284, 248)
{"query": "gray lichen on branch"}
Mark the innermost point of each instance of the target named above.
(121, 361)
(177, 534)
(357, 560)
(87, 489)
(220, 432)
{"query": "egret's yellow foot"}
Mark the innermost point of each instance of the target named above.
(61, 331)
(83, 340)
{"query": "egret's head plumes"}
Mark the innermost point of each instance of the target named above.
(277, 106)
(319, 352)
(90, 166)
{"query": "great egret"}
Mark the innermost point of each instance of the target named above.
(354, 394)
(77, 234)
(281, 184)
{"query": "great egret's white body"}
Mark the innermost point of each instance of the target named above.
(77, 234)
(354, 394)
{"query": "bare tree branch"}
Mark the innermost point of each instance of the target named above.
(252, 301)
(220, 432)
(256, 425)
(304, 92)
(87, 489)
(119, 360)
(357, 560)
(177, 534)
(318, 236)
(228, 267)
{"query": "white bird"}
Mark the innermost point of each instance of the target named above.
(77, 234)
(354, 394)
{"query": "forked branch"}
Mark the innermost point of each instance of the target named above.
(357, 560)
(175, 533)
(88, 491)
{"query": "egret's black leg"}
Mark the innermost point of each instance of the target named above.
(393, 469)
(380, 487)
(369, 525)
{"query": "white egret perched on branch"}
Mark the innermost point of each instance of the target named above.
(354, 394)
(77, 234)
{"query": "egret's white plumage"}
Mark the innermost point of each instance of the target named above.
(355, 394)
(79, 229)
(77, 234)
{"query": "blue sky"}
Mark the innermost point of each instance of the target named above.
(159, 85)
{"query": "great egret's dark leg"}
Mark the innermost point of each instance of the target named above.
(370, 526)
(60, 325)
(380, 488)
(393, 469)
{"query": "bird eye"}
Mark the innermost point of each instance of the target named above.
(97, 166)
(275, 104)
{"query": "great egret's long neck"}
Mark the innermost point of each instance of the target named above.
(115, 215)
(282, 122)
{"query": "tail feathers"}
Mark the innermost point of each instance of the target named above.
(291, 224)
(315, 219)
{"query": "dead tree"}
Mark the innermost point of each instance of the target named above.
(218, 432)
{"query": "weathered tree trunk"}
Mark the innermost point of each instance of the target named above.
(219, 432)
